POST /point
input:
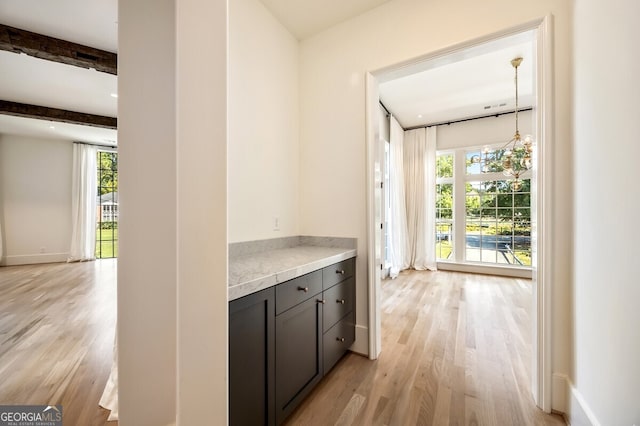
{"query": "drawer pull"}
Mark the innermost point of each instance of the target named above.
(305, 289)
(341, 301)
(340, 339)
(340, 271)
(322, 301)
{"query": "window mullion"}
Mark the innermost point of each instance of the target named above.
(459, 210)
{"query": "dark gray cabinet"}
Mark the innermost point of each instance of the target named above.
(299, 364)
(283, 340)
(252, 359)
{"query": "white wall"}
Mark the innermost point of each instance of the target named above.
(263, 124)
(332, 92)
(485, 131)
(35, 199)
(606, 291)
(172, 265)
(147, 256)
(202, 136)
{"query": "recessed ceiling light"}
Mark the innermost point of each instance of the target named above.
(114, 95)
(419, 115)
(52, 127)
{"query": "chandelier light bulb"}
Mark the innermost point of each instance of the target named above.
(516, 184)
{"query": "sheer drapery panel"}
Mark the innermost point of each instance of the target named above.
(83, 203)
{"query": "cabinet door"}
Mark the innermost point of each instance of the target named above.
(252, 359)
(298, 355)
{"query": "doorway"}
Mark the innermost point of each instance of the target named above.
(540, 183)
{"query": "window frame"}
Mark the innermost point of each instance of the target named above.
(110, 211)
(459, 226)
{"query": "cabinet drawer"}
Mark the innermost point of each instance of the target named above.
(337, 341)
(338, 302)
(338, 272)
(297, 290)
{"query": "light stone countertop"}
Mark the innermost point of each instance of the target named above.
(252, 272)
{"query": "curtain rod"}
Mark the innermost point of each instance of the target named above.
(467, 119)
(385, 108)
(97, 144)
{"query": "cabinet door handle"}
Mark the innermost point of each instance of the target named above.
(341, 301)
(305, 289)
(322, 301)
(340, 271)
(340, 339)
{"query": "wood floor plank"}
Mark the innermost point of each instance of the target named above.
(57, 325)
(456, 350)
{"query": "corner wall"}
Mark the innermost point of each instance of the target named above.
(606, 378)
(172, 265)
(263, 125)
(35, 199)
(147, 258)
(332, 117)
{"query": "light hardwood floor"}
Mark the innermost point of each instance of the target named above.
(456, 350)
(57, 324)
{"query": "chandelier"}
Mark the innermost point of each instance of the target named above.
(514, 157)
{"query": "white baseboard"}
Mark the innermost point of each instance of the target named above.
(361, 345)
(579, 411)
(473, 268)
(559, 392)
(567, 399)
(30, 259)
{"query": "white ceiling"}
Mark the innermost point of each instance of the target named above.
(45, 83)
(465, 87)
(89, 22)
(35, 81)
(305, 18)
(439, 91)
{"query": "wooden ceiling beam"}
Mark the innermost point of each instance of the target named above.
(58, 115)
(57, 50)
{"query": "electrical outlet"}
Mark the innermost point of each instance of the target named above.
(276, 223)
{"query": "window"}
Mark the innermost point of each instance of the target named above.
(495, 220)
(107, 205)
(444, 206)
(387, 203)
(498, 222)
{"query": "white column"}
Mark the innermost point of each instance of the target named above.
(172, 272)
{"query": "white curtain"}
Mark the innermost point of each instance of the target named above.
(420, 188)
(109, 398)
(83, 204)
(399, 247)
